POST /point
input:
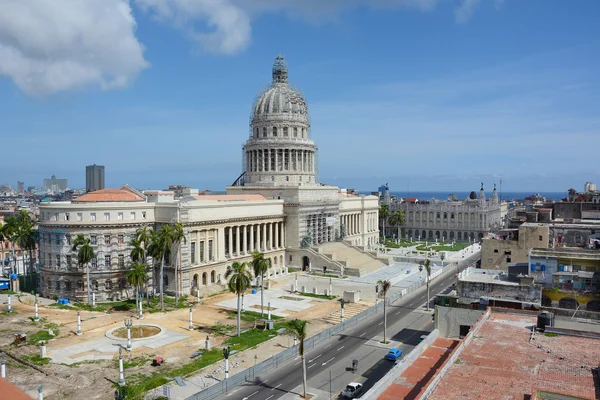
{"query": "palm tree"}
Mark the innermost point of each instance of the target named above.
(260, 265)
(25, 238)
(84, 256)
(239, 280)
(161, 246)
(385, 286)
(136, 276)
(397, 219)
(384, 213)
(428, 270)
(297, 328)
(10, 231)
(143, 236)
(178, 237)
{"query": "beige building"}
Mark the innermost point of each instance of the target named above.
(512, 246)
(276, 206)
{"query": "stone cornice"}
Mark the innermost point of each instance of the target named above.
(229, 221)
(96, 225)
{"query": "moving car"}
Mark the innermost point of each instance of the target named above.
(353, 390)
(393, 354)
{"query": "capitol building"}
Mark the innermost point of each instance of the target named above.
(276, 206)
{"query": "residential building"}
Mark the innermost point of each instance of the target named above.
(510, 246)
(20, 187)
(94, 177)
(55, 185)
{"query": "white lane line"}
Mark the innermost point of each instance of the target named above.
(247, 397)
(315, 358)
(298, 363)
(327, 346)
(363, 334)
(269, 397)
(312, 365)
(326, 362)
(265, 381)
(340, 348)
(276, 387)
(398, 313)
(381, 323)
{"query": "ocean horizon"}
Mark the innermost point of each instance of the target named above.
(463, 195)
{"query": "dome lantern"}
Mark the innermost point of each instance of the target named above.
(280, 72)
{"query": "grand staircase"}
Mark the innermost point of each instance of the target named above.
(356, 262)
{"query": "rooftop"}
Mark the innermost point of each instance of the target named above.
(500, 362)
(567, 252)
(231, 197)
(11, 391)
(485, 276)
(125, 193)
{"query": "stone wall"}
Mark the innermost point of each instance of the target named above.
(476, 290)
(448, 320)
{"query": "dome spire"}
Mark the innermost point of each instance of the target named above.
(280, 72)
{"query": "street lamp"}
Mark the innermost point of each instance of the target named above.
(420, 272)
(226, 351)
(128, 324)
(442, 256)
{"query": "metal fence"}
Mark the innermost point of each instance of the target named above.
(250, 374)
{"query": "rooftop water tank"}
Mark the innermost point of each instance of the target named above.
(544, 319)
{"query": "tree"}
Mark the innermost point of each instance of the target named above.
(239, 280)
(84, 256)
(143, 236)
(398, 219)
(160, 248)
(178, 237)
(10, 231)
(428, 270)
(260, 265)
(136, 276)
(385, 286)
(297, 328)
(384, 213)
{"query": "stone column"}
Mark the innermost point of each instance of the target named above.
(276, 235)
(245, 239)
(230, 241)
(205, 250)
(276, 160)
(282, 234)
(237, 240)
(271, 247)
(251, 238)
(264, 237)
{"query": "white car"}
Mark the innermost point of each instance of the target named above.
(353, 390)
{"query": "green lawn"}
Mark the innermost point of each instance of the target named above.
(41, 335)
(126, 305)
(251, 316)
(318, 296)
(36, 359)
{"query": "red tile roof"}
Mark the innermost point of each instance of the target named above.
(411, 200)
(231, 197)
(108, 195)
(10, 391)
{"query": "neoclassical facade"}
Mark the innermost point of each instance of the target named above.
(276, 207)
(467, 220)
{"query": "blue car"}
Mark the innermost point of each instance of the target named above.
(393, 354)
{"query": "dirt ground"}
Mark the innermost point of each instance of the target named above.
(95, 379)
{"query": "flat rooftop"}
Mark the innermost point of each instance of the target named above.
(568, 252)
(501, 363)
(485, 276)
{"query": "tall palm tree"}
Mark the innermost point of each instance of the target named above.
(10, 231)
(384, 213)
(398, 219)
(178, 237)
(385, 286)
(138, 256)
(144, 236)
(162, 243)
(84, 256)
(260, 265)
(26, 240)
(427, 266)
(239, 280)
(136, 276)
(297, 328)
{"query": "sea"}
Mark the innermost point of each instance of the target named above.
(463, 195)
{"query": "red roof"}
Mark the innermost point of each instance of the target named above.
(411, 200)
(108, 195)
(10, 391)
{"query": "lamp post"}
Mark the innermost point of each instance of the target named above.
(78, 323)
(128, 325)
(198, 295)
(121, 374)
(268, 311)
(342, 310)
(40, 390)
(141, 316)
(9, 310)
(442, 256)
(191, 323)
(37, 317)
(376, 294)
(93, 298)
(226, 357)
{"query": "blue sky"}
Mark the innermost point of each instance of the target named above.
(423, 94)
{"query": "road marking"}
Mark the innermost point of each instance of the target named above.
(326, 362)
(246, 398)
(315, 358)
(265, 381)
(327, 346)
(269, 397)
(381, 323)
(298, 362)
(312, 365)
(276, 387)
(398, 313)
(340, 348)
(363, 334)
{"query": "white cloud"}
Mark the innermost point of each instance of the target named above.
(48, 47)
(225, 26)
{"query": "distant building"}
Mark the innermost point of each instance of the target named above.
(55, 185)
(511, 246)
(94, 177)
(589, 187)
(30, 189)
(179, 190)
(20, 187)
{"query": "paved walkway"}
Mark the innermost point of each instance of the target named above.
(282, 301)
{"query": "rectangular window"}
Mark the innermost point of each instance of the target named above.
(508, 259)
(107, 216)
(143, 214)
(120, 216)
(540, 238)
(107, 240)
(79, 216)
(121, 260)
(210, 250)
(193, 252)
(58, 260)
(93, 239)
(94, 263)
(495, 250)
(107, 260)
(68, 286)
(57, 239)
(121, 239)
(49, 260)
(92, 216)
(67, 216)
(68, 239)
(132, 215)
(507, 253)
(202, 251)
(69, 260)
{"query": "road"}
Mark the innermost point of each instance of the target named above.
(406, 322)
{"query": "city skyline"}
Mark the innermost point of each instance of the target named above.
(447, 94)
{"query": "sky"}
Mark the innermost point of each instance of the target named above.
(422, 94)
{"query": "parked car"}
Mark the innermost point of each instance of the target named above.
(353, 390)
(393, 354)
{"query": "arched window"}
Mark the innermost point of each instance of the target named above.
(445, 215)
(295, 132)
(287, 178)
(108, 284)
(274, 131)
(95, 284)
(204, 279)
(264, 131)
(275, 260)
(452, 216)
(57, 285)
(285, 131)
(438, 215)
(213, 277)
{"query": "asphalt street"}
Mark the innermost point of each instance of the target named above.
(406, 321)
